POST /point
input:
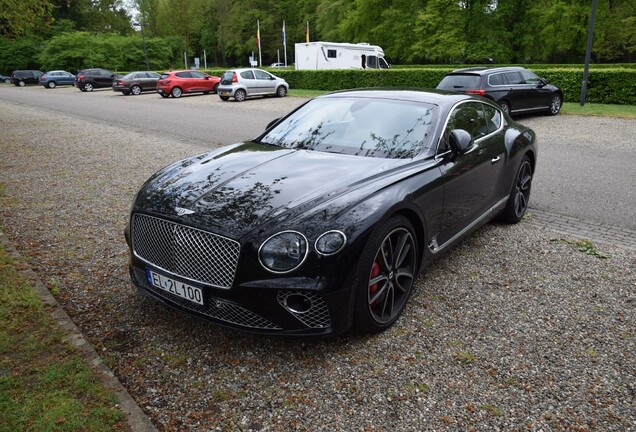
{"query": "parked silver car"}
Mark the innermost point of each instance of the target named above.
(243, 83)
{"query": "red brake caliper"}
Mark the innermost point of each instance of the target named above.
(375, 271)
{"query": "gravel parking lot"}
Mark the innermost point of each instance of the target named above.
(515, 329)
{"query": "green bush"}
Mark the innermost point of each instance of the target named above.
(605, 85)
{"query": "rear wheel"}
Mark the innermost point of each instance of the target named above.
(225, 98)
(386, 275)
(176, 92)
(51, 84)
(520, 194)
(505, 106)
(240, 95)
(281, 91)
(555, 104)
(136, 90)
(88, 87)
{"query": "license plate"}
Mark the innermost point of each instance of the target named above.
(225, 93)
(175, 287)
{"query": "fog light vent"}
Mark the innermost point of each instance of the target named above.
(308, 307)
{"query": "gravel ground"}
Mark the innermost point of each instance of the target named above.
(515, 329)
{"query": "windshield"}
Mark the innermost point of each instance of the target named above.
(380, 128)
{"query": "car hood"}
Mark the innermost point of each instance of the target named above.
(240, 187)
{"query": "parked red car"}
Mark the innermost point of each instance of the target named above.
(177, 83)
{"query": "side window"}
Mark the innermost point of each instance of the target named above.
(514, 78)
(331, 53)
(247, 75)
(493, 117)
(372, 62)
(468, 116)
(106, 73)
(183, 74)
(496, 79)
(262, 75)
(153, 75)
(197, 75)
(530, 78)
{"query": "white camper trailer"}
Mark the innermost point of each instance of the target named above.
(331, 55)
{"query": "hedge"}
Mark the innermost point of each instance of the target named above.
(605, 85)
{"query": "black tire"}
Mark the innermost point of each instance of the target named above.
(136, 90)
(225, 98)
(240, 95)
(215, 90)
(125, 93)
(505, 107)
(7, 80)
(386, 274)
(21, 83)
(555, 104)
(51, 84)
(88, 87)
(281, 91)
(176, 92)
(163, 95)
(519, 197)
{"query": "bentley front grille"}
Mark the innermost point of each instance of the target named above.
(190, 253)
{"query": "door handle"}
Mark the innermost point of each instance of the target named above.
(495, 160)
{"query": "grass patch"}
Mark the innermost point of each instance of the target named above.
(45, 384)
(600, 110)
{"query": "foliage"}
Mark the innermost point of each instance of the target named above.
(609, 86)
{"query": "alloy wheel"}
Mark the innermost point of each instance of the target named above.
(522, 188)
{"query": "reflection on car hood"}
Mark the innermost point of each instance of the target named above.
(243, 186)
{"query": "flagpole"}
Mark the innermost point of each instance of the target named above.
(258, 41)
(307, 34)
(284, 43)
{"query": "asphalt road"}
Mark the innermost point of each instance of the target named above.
(586, 170)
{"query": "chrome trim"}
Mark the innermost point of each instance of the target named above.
(344, 243)
(467, 228)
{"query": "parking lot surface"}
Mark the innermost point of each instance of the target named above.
(515, 329)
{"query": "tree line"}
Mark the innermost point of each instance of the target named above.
(84, 33)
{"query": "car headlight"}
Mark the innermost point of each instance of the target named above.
(283, 252)
(330, 242)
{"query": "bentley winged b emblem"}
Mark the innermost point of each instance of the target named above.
(183, 211)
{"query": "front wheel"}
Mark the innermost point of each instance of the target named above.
(240, 95)
(386, 274)
(281, 91)
(21, 83)
(517, 203)
(51, 84)
(555, 104)
(176, 92)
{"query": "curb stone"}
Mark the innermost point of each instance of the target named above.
(136, 418)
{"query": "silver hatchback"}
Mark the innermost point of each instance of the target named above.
(244, 83)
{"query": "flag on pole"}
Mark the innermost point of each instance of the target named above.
(284, 43)
(258, 41)
(307, 34)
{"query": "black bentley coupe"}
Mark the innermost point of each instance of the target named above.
(322, 223)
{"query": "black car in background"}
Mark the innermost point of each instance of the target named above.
(136, 82)
(24, 77)
(515, 89)
(88, 79)
(5, 79)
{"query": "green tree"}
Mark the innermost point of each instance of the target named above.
(24, 18)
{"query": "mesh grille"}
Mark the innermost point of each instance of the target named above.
(187, 252)
(213, 307)
(316, 317)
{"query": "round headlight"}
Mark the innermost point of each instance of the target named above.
(283, 252)
(330, 242)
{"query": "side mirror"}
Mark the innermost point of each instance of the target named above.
(460, 140)
(272, 123)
